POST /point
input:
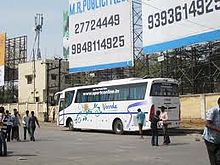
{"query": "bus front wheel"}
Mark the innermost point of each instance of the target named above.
(70, 124)
(118, 126)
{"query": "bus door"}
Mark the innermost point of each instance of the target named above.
(61, 112)
(64, 106)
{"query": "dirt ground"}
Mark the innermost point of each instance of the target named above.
(192, 123)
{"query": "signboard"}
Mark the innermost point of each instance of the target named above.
(2, 58)
(100, 35)
(171, 24)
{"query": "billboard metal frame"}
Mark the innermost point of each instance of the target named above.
(190, 65)
(15, 53)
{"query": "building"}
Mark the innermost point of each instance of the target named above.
(50, 77)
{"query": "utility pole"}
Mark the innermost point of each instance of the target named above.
(59, 72)
(38, 28)
(46, 118)
(50, 67)
(59, 81)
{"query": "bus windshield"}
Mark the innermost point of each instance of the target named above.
(67, 101)
(164, 89)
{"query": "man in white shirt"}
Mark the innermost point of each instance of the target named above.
(211, 134)
(164, 123)
(26, 124)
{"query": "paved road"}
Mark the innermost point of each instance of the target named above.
(56, 146)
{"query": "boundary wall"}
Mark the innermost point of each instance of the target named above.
(191, 106)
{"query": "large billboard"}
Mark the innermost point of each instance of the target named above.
(2, 58)
(175, 23)
(100, 34)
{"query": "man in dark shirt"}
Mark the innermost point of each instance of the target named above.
(3, 121)
(3, 131)
(32, 125)
(154, 122)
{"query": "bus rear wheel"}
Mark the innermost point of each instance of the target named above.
(70, 124)
(118, 127)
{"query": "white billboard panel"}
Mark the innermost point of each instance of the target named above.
(2, 58)
(2, 75)
(175, 23)
(100, 34)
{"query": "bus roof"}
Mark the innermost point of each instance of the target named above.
(121, 81)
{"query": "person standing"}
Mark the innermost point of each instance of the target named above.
(25, 124)
(140, 120)
(32, 125)
(54, 113)
(154, 130)
(211, 134)
(164, 124)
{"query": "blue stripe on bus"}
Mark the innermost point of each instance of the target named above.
(101, 113)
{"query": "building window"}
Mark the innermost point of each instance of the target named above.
(53, 77)
(37, 99)
(67, 79)
(29, 79)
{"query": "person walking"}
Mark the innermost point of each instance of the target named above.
(15, 126)
(3, 132)
(154, 130)
(211, 134)
(3, 121)
(164, 124)
(140, 120)
(25, 122)
(9, 125)
(32, 125)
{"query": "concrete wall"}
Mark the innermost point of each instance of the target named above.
(38, 108)
(195, 106)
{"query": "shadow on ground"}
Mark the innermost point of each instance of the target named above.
(172, 132)
(11, 154)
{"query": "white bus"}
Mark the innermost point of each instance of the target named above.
(112, 105)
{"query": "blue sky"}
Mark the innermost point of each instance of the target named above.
(17, 19)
